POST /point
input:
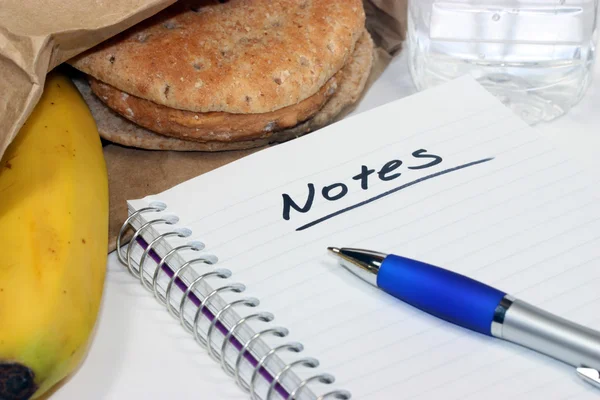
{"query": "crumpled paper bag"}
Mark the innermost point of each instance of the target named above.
(38, 35)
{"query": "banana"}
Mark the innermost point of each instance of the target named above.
(53, 242)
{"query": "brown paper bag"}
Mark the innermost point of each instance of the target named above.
(38, 35)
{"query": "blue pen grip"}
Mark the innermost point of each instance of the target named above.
(445, 294)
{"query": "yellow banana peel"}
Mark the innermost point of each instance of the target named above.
(53, 242)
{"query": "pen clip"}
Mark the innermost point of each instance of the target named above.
(590, 376)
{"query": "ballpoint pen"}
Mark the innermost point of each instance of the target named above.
(476, 306)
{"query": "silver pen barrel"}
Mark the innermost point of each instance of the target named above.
(526, 325)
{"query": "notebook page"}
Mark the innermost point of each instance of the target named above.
(448, 176)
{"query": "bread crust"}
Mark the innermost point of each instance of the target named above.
(241, 56)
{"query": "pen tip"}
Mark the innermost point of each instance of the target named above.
(334, 250)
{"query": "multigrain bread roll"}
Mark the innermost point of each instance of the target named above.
(211, 76)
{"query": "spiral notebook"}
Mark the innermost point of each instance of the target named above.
(448, 176)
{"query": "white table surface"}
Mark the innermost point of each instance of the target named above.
(141, 352)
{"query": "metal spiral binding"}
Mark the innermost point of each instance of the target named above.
(127, 224)
(261, 316)
(142, 262)
(249, 302)
(278, 331)
(207, 341)
(294, 347)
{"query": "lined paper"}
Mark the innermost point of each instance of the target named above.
(448, 176)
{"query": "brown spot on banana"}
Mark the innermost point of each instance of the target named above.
(16, 382)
